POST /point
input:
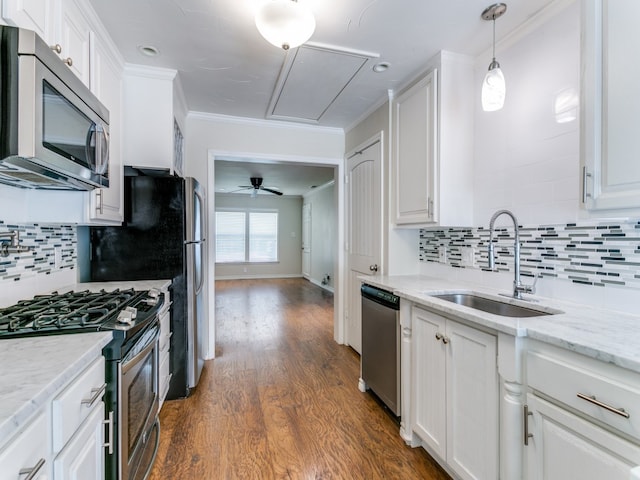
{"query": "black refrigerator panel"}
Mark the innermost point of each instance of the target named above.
(150, 246)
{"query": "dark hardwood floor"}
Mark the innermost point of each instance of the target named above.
(281, 401)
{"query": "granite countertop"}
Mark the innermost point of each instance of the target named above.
(34, 368)
(609, 336)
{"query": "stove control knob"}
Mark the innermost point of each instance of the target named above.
(127, 316)
(154, 297)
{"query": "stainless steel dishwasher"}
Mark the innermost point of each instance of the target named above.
(380, 359)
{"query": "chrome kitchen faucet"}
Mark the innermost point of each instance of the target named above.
(518, 287)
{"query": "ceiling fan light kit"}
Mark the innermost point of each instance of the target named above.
(493, 85)
(285, 23)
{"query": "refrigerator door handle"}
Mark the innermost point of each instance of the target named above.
(193, 242)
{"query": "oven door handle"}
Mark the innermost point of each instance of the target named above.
(131, 362)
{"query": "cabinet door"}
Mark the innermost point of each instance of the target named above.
(106, 204)
(28, 453)
(83, 457)
(36, 15)
(472, 402)
(75, 40)
(429, 401)
(611, 105)
(415, 126)
(565, 446)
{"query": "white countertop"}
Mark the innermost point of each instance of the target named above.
(608, 336)
(124, 284)
(34, 368)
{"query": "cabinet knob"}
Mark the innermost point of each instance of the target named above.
(373, 268)
(439, 336)
(445, 340)
(56, 48)
(68, 61)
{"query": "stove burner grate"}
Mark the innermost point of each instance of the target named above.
(59, 312)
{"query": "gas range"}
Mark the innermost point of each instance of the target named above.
(124, 312)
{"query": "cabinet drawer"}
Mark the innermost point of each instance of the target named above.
(76, 402)
(581, 385)
(27, 451)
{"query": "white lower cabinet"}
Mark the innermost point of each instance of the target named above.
(66, 439)
(28, 454)
(83, 457)
(565, 446)
(584, 416)
(455, 394)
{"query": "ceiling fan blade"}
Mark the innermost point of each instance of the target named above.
(271, 190)
(241, 188)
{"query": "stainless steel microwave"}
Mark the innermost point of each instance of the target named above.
(54, 133)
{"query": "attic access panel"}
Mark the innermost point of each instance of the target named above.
(311, 80)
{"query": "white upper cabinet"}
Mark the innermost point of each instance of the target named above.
(75, 40)
(415, 133)
(37, 15)
(105, 204)
(433, 146)
(610, 105)
(152, 112)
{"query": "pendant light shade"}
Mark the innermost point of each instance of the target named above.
(494, 87)
(285, 23)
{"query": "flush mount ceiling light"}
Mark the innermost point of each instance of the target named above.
(381, 67)
(493, 86)
(285, 23)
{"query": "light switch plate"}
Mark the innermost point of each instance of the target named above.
(468, 255)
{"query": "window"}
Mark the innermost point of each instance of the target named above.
(246, 236)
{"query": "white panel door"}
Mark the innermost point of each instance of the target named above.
(306, 240)
(429, 394)
(472, 402)
(364, 230)
(76, 41)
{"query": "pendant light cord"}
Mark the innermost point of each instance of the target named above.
(494, 38)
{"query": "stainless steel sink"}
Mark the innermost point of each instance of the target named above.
(492, 306)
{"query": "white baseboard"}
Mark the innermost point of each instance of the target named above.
(319, 284)
(255, 277)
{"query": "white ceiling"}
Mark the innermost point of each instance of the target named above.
(290, 179)
(227, 68)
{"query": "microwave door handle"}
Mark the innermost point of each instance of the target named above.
(102, 150)
(91, 135)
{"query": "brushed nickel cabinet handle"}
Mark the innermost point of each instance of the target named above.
(585, 176)
(32, 472)
(96, 393)
(56, 48)
(445, 340)
(595, 401)
(527, 435)
(439, 336)
(109, 443)
(68, 61)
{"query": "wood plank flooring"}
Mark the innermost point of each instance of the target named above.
(281, 401)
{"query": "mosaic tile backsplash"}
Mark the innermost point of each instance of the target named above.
(41, 259)
(596, 254)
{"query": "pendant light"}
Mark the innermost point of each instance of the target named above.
(493, 86)
(285, 23)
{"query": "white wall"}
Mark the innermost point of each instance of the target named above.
(323, 233)
(289, 237)
(525, 160)
(211, 136)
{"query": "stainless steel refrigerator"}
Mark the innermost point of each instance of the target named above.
(162, 237)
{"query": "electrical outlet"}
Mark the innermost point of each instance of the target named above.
(442, 254)
(57, 257)
(468, 257)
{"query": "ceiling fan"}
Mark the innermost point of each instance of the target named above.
(256, 184)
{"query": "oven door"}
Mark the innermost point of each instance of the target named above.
(138, 394)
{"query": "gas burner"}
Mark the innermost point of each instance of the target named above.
(73, 312)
